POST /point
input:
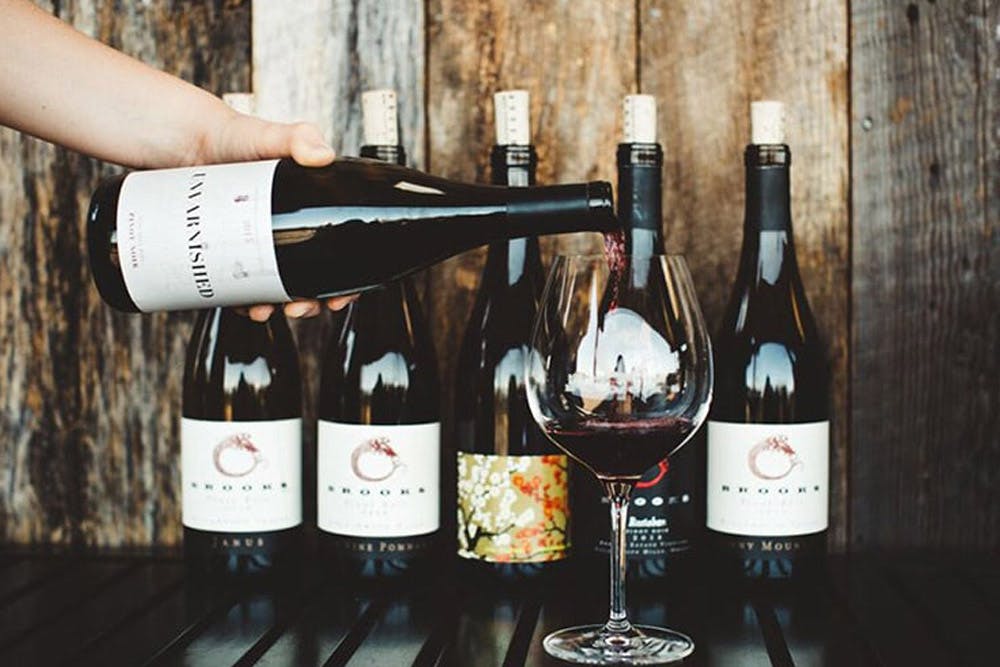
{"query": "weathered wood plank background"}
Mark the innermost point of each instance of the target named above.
(896, 200)
(926, 266)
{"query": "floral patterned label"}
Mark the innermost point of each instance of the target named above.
(513, 508)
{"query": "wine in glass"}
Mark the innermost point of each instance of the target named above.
(620, 377)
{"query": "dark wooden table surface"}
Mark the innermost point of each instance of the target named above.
(130, 610)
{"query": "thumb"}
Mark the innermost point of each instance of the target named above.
(302, 141)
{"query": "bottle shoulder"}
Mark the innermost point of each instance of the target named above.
(241, 369)
(381, 366)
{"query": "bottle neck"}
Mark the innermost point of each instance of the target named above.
(640, 197)
(768, 248)
(510, 261)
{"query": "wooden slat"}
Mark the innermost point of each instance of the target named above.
(572, 609)
(399, 635)
(483, 632)
(321, 628)
(577, 59)
(89, 402)
(228, 638)
(24, 575)
(180, 615)
(56, 597)
(58, 641)
(926, 274)
(956, 613)
(818, 631)
(897, 633)
(705, 62)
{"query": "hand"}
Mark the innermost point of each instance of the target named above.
(241, 137)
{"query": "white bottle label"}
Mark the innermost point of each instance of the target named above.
(241, 477)
(378, 481)
(199, 237)
(768, 479)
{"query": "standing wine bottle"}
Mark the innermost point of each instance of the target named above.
(241, 444)
(663, 515)
(270, 231)
(512, 483)
(768, 434)
(379, 441)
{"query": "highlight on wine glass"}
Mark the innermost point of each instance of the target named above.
(620, 377)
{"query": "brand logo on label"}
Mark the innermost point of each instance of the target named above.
(773, 458)
(195, 243)
(236, 456)
(375, 460)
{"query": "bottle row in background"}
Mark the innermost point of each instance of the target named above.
(514, 508)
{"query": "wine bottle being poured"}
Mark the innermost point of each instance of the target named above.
(272, 231)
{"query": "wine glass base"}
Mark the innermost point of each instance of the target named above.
(596, 645)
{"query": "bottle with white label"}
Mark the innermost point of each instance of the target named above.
(241, 444)
(379, 433)
(272, 231)
(768, 434)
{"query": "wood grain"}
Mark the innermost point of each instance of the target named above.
(926, 290)
(577, 59)
(705, 62)
(89, 397)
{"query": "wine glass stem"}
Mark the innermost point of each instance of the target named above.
(618, 494)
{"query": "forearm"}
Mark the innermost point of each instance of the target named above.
(59, 85)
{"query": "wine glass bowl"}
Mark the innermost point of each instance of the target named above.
(620, 377)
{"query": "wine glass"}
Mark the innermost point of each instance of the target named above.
(620, 377)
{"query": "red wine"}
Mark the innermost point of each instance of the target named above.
(768, 433)
(272, 231)
(665, 509)
(621, 451)
(497, 438)
(379, 440)
(241, 445)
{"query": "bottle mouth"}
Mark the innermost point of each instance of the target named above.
(599, 196)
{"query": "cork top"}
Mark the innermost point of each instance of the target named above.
(242, 102)
(513, 121)
(640, 119)
(767, 122)
(380, 117)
